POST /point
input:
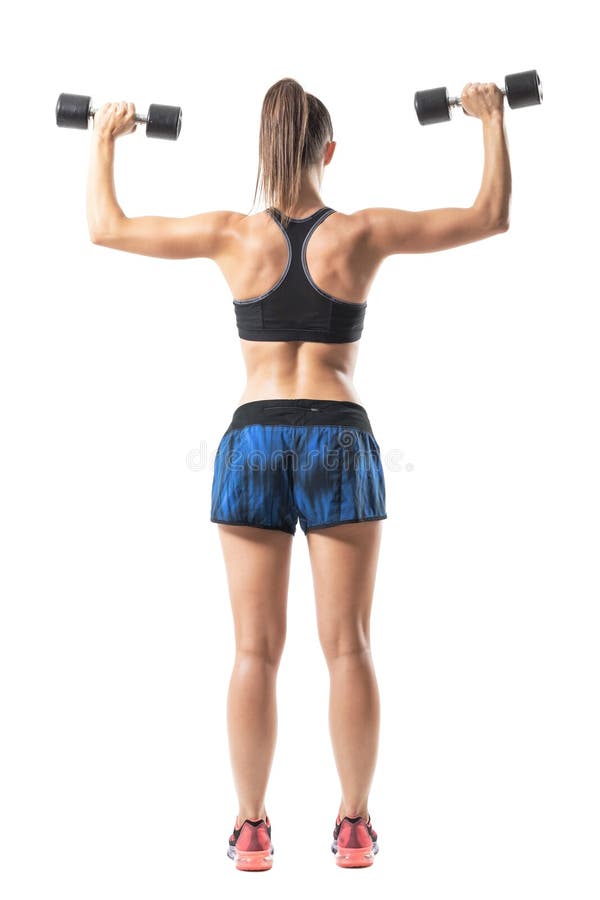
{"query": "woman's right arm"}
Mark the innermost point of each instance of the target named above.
(389, 231)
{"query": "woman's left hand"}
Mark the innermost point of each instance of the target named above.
(114, 119)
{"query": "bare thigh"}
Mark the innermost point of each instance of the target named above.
(344, 565)
(257, 561)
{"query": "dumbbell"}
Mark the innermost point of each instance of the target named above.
(75, 111)
(520, 89)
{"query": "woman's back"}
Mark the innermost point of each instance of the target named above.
(337, 261)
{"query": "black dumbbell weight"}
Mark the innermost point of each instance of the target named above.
(75, 111)
(520, 89)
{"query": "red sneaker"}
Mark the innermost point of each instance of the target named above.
(354, 842)
(250, 845)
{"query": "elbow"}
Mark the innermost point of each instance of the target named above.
(105, 231)
(107, 234)
(500, 226)
(492, 220)
(96, 237)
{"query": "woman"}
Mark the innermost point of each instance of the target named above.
(300, 446)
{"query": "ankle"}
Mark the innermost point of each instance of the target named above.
(358, 811)
(249, 815)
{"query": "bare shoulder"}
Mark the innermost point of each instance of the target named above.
(352, 225)
(240, 225)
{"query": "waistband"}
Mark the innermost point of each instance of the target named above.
(301, 412)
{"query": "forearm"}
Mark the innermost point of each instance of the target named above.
(103, 210)
(493, 198)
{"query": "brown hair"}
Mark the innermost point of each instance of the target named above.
(294, 128)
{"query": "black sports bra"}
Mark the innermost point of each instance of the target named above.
(295, 309)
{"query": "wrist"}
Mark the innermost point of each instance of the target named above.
(102, 137)
(493, 119)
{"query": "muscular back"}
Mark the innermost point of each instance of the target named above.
(341, 261)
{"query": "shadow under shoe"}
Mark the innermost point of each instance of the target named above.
(354, 842)
(250, 845)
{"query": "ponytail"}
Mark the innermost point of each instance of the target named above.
(294, 129)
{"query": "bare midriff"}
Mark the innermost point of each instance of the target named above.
(299, 370)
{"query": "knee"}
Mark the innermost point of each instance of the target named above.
(266, 649)
(335, 646)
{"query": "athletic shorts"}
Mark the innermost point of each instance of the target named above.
(281, 461)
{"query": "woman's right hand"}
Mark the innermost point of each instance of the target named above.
(482, 100)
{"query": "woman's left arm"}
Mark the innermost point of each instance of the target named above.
(204, 234)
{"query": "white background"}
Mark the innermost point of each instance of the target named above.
(479, 365)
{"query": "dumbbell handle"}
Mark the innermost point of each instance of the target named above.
(143, 118)
(456, 101)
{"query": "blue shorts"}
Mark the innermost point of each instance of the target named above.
(281, 461)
